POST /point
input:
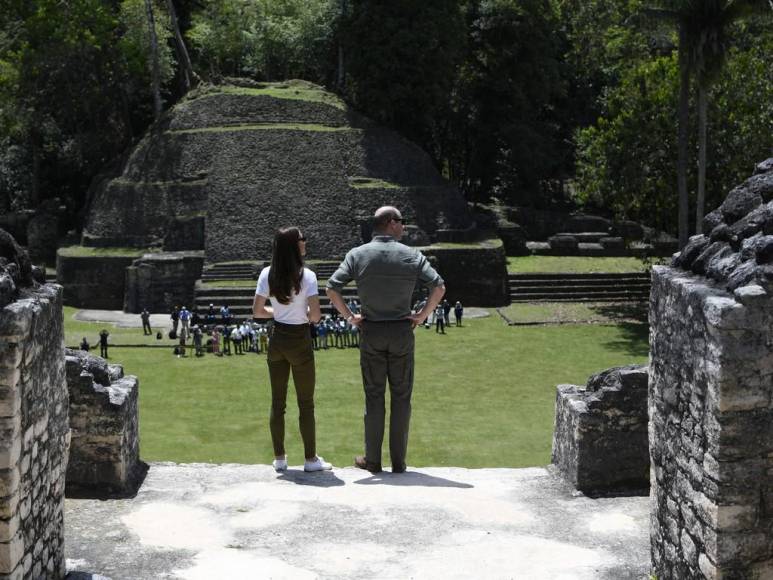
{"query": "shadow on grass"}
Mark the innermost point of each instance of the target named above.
(635, 339)
(315, 479)
(411, 479)
(623, 311)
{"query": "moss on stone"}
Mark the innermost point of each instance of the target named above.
(488, 244)
(292, 90)
(371, 183)
(266, 126)
(89, 252)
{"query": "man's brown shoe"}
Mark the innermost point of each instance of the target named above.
(363, 463)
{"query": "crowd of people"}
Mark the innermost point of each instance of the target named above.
(219, 333)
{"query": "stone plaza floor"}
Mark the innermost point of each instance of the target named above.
(201, 521)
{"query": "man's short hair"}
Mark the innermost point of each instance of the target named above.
(383, 216)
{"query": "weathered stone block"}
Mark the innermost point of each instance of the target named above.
(8, 528)
(710, 398)
(104, 457)
(600, 435)
(11, 554)
(10, 355)
(15, 321)
(10, 452)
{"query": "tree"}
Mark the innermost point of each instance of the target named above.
(265, 39)
(189, 77)
(505, 139)
(402, 63)
(155, 67)
(702, 26)
(625, 160)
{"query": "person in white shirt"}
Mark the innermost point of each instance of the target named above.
(294, 296)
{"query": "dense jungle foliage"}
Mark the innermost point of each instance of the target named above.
(530, 102)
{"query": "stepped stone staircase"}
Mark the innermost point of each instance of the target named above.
(599, 287)
(239, 297)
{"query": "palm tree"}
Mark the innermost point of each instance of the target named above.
(703, 27)
(154, 64)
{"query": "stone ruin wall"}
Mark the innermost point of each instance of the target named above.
(475, 276)
(160, 281)
(235, 187)
(711, 430)
(711, 395)
(35, 435)
(93, 282)
(600, 434)
(104, 419)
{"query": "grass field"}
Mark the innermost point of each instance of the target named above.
(572, 264)
(483, 396)
(569, 312)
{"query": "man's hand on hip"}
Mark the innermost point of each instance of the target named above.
(417, 319)
(356, 320)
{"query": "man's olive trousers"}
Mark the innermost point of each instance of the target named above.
(386, 353)
(290, 349)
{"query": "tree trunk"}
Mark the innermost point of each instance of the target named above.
(34, 199)
(341, 73)
(702, 148)
(155, 70)
(684, 117)
(189, 77)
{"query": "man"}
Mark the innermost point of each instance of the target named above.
(440, 320)
(103, 343)
(458, 311)
(386, 272)
(145, 316)
(185, 319)
(197, 336)
(175, 316)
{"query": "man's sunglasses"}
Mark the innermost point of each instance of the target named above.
(397, 220)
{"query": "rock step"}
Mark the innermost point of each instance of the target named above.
(578, 289)
(579, 297)
(588, 276)
(580, 282)
(227, 276)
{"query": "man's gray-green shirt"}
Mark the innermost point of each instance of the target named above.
(386, 272)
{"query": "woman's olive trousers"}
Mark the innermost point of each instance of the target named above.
(290, 349)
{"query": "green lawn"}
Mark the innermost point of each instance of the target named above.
(75, 330)
(572, 264)
(265, 127)
(567, 312)
(89, 252)
(484, 395)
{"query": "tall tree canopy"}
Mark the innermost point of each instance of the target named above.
(402, 58)
(627, 160)
(505, 137)
(526, 101)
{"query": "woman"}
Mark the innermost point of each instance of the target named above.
(294, 303)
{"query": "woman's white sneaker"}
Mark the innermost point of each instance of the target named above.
(280, 465)
(317, 464)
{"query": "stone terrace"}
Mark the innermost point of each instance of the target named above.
(246, 521)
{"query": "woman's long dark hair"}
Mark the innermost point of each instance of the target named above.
(284, 278)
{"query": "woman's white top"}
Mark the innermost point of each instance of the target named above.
(296, 312)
